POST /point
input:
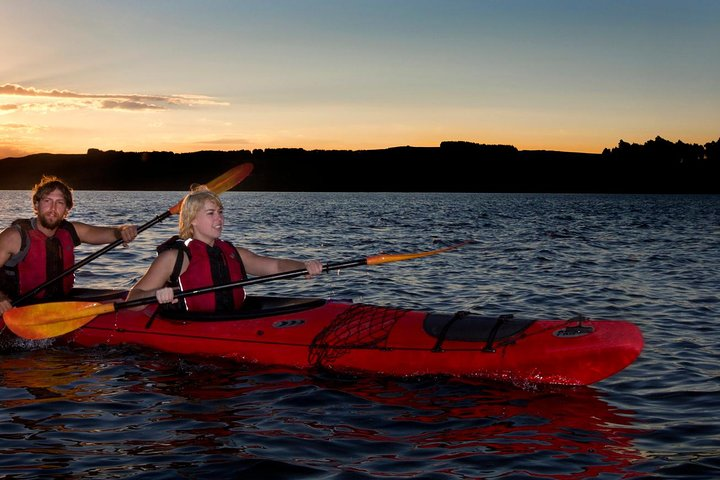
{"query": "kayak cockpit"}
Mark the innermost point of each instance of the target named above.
(253, 307)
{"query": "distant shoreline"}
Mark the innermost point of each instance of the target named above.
(658, 166)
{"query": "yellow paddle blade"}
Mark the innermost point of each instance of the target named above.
(47, 320)
(396, 257)
(224, 182)
(229, 179)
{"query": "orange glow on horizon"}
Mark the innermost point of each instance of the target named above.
(68, 122)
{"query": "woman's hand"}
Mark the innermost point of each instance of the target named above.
(5, 304)
(314, 267)
(165, 295)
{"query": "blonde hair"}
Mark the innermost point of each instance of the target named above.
(191, 205)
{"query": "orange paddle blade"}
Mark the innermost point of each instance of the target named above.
(47, 320)
(224, 182)
(229, 179)
(396, 257)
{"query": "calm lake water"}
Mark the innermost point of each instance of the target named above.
(128, 413)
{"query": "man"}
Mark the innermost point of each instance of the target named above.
(33, 251)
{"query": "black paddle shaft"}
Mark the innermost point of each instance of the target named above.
(242, 283)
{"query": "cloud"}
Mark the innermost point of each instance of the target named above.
(128, 105)
(15, 128)
(30, 98)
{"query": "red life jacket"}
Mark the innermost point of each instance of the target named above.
(41, 258)
(209, 266)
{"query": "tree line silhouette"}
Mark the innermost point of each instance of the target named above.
(657, 166)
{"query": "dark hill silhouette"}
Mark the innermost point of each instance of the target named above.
(658, 166)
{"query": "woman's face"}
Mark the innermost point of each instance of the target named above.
(208, 223)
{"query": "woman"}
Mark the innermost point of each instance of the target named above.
(199, 258)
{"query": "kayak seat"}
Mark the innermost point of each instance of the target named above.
(473, 328)
(253, 307)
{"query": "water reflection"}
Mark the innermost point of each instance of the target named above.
(219, 411)
(463, 421)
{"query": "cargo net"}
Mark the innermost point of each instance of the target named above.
(360, 326)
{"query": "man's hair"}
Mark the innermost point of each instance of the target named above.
(191, 205)
(48, 184)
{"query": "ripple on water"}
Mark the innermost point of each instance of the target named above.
(131, 413)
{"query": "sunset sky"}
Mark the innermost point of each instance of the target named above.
(181, 75)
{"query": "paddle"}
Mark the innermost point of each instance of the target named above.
(47, 320)
(221, 184)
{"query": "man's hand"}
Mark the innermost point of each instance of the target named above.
(126, 233)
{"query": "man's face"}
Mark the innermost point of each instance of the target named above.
(51, 209)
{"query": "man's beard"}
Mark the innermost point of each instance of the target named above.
(49, 224)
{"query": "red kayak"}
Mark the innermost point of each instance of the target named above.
(309, 333)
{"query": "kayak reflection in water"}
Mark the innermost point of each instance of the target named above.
(198, 258)
(39, 250)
